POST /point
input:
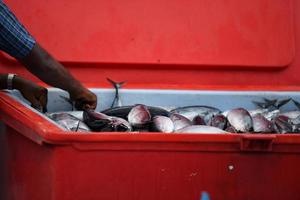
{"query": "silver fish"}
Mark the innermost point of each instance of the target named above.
(240, 119)
(271, 115)
(77, 114)
(190, 112)
(180, 121)
(291, 114)
(139, 115)
(117, 85)
(163, 124)
(100, 122)
(261, 124)
(69, 122)
(258, 111)
(200, 129)
(282, 124)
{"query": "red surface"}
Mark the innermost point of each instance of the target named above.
(244, 45)
(222, 32)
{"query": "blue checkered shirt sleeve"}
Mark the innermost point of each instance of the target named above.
(14, 38)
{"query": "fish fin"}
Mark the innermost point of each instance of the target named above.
(270, 102)
(260, 104)
(282, 102)
(296, 103)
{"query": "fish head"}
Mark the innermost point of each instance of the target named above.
(139, 115)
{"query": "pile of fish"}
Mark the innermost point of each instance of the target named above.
(267, 118)
(190, 119)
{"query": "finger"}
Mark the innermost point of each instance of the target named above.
(43, 99)
(35, 104)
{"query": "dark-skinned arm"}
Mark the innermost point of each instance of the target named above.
(44, 66)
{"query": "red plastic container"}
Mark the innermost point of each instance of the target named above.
(162, 44)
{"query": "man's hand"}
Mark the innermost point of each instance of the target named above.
(32, 92)
(84, 99)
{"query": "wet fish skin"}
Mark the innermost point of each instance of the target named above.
(179, 121)
(218, 121)
(162, 124)
(117, 86)
(271, 115)
(123, 111)
(200, 129)
(261, 124)
(206, 112)
(68, 121)
(198, 120)
(240, 119)
(291, 114)
(258, 111)
(282, 124)
(139, 115)
(101, 122)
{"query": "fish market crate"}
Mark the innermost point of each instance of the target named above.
(57, 164)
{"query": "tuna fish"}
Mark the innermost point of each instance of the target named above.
(69, 122)
(200, 129)
(101, 122)
(162, 124)
(198, 120)
(180, 121)
(117, 85)
(123, 111)
(139, 116)
(240, 119)
(190, 112)
(261, 124)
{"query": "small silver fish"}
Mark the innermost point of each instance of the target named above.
(190, 112)
(240, 119)
(271, 115)
(163, 124)
(261, 124)
(69, 122)
(282, 124)
(139, 115)
(200, 129)
(117, 85)
(180, 121)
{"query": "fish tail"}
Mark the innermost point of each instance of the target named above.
(117, 85)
